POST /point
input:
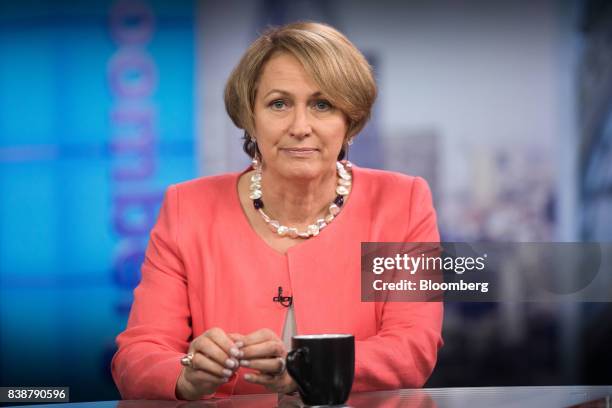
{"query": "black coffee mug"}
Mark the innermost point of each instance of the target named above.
(323, 367)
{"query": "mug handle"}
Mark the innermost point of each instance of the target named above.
(296, 360)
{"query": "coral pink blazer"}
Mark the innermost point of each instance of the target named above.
(205, 267)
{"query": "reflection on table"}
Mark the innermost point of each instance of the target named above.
(540, 397)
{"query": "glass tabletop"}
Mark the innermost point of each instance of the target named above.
(540, 397)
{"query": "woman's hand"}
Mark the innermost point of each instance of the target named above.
(264, 352)
(214, 362)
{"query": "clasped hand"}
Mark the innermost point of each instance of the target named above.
(217, 356)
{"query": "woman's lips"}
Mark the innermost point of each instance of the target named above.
(300, 151)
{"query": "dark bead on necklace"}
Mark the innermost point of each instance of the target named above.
(257, 203)
(339, 200)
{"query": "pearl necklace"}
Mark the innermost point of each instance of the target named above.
(342, 189)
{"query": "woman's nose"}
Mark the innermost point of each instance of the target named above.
(300, 125)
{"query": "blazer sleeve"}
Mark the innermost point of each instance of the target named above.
(147, 362)
(403, 353)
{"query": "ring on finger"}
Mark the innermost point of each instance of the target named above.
(187, 360)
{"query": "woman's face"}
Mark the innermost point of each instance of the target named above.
(299, 133)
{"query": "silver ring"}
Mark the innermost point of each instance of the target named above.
(283, 367)
(187, 360)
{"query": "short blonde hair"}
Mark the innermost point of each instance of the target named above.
(335, 64)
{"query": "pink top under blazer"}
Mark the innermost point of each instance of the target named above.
(206, 267)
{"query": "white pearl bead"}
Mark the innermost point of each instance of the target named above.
(292, 232)
(282, 230)
(334, 209)
(274, 225)
(342, 190)
(256, 177)
(344, 182)
(255, 194)
(313, 230)
(329, 218)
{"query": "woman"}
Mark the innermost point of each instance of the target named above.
(204, 322)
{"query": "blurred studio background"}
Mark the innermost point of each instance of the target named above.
(505, 107)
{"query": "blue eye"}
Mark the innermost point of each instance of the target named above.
(278, 104)
(322, 106)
